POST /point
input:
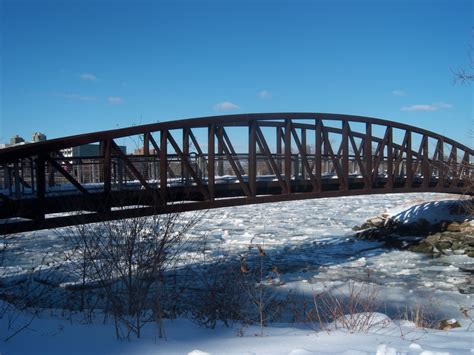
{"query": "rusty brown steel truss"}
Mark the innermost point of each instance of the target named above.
(221, 161)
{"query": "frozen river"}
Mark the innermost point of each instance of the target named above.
(310, 242)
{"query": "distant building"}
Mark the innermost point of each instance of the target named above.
(86, 169)
(87, 150)
(38, 137)
(140, 151)
(16, 140)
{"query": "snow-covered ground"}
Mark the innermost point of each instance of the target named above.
(52, 335)
(312, 245)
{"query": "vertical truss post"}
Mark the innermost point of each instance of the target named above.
(464, 169)
(425, 163)
(252, 160)
(164, 165)
(50, 169)
(441, 168)
(220, 151)
(390, 172)
(211, 160)
(16, 179)
(146, 144)
(32, 175)
(318, 162)
(454, 165)
(279, 138)
(8, 178)
(326, 159)
(146, 153)
(184, 172)
(303, 152)
(409, 161)
(368, 156)
(288, 155)
(107, 172)
(40, 187)
(120, 171)
(345, 156)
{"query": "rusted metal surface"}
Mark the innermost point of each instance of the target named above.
(223, 161)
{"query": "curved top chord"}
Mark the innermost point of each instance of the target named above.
(16, 152)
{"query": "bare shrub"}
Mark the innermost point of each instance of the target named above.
(219, 296)
(241, 289)
(422, 315)
(353, 308)
(128, 259)
(25, 288)
(257, 286)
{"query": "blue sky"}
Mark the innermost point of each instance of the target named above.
(70, 67)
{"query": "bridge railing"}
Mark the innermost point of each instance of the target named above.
(17, 179)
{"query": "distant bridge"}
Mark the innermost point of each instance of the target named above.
(221, 161)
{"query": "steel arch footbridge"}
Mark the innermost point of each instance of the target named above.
(220, 161)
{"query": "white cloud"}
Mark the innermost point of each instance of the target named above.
(399, 93)
(432, 107)
(444, 105)
(88, 77)
(265, 94)
(115, 100)
(225, 106)
(77, 97)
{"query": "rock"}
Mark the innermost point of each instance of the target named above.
(447, 324)
(443, 245)
(466, 226)
(422, 247)
(467, 268)
(433, 239)
(469, 241)
(371, 233)
(454, 227)
(374, 222)
(466, 289)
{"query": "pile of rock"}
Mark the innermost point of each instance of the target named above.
(457, 239)
(446, 237)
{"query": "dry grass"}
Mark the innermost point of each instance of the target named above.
(354, 307)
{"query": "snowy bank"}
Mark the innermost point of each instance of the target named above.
(52, 335)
